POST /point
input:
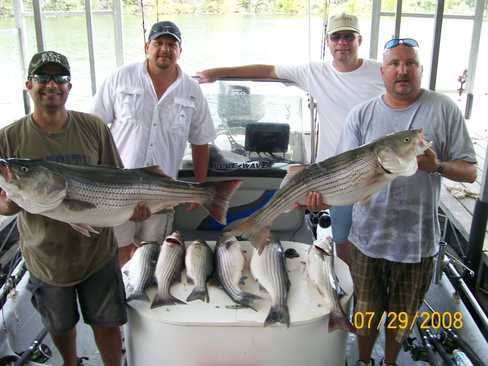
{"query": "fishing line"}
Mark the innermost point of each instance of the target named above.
(143, 23)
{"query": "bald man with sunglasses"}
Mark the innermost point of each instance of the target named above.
(395, 234)
(336, 85)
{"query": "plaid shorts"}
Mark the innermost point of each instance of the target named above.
(389, 292)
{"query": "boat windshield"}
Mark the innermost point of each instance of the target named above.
(259, 125)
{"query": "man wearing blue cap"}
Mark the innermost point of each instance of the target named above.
(154, 108)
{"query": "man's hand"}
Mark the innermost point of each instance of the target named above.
(141, 212)
(7, 206)
(206, 77)
(314, 202)
(428, 161)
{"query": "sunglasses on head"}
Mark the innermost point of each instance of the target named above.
(46, 78)
(395, 42)
(348, 37)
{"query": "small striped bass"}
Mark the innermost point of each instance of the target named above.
(269, 270)
(229, 266)
(343, 179)
(168, 270)
(140, 271)
(96, 196)
(199, 267)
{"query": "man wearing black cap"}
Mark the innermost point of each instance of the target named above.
(154, 109)
(66, 267)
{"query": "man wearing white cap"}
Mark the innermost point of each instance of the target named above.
(154, 109)
(336, 85)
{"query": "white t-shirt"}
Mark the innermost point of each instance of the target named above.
(149, 131)
(336, 93)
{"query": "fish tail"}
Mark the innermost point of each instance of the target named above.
(137, 295)
(165, 300)
(250, 300)
(219, 204)
(337, 321)
(278, 314)
(198, 293)
(257, 234)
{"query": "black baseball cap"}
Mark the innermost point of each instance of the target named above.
(164, 28)
(47, 57)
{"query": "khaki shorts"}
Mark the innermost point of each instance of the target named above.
(101, 299)
(155, 228)
(388, 292)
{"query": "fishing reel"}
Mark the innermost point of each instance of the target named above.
(41, 353)
(417, 352)
(315, 219)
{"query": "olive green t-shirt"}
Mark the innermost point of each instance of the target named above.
(53, 251)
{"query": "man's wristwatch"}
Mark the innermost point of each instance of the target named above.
(439, 170)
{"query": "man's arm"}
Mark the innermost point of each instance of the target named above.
(103, 103)
(200, 156)
(456, 170)
(247, 71)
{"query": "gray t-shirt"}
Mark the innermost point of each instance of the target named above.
(400, 222)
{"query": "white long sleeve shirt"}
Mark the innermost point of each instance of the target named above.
(149, 131)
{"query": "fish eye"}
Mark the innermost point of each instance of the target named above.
(24, 169)
(406, 139)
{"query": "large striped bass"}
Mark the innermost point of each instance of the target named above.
(269, 270)
(95, 196)
(343, 179)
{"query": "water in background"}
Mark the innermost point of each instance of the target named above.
(210, 41)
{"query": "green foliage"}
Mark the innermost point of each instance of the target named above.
(290, 7)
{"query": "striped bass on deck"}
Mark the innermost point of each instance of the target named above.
(320, 270)
(168, 270)
(343, 179)
(140, 271)
(269, 270)
(229, 263)
(96, 196)
(199, 268)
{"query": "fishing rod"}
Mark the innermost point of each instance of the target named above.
(41, 351)
(451, 341)
(463, 346)
(13, 278)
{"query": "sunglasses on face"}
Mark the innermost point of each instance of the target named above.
(46, 78)
(348, 37)
(395, 42)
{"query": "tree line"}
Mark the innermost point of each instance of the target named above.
(221, 7)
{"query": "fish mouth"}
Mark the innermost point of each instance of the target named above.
(423, 143)
(174, 238)
(384, 169)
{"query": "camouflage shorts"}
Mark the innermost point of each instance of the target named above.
(389, 292)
